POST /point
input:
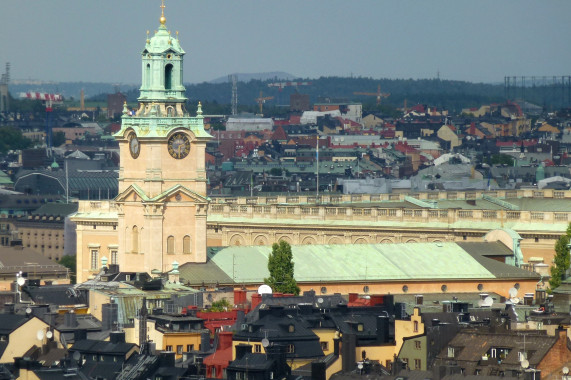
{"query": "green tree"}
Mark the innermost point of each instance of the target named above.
(222, 305)
(280, 266)
(561, 260)
(12, 138)
(59, 138)
(69, 262)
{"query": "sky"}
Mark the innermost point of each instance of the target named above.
(477, 41)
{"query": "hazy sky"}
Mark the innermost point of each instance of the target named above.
(101, 40)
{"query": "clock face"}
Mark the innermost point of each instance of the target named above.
(134, 146)
(179, 145)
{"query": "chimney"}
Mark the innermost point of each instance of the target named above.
(205, 341)
(382, 329)
(70, 319)
(256, 299)
(224, 340)
(117, 337)
(349, 342)
(240, 296)
(109, 315)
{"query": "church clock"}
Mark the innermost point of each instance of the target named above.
(134, 146)
(179, 145)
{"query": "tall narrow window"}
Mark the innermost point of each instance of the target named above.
(148, 75)
(94, 259)
(168, 77)
(135, 241)
(186, 244)
(114, 259)
(170, 244)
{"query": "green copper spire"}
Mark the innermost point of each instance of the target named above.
(162, 98)
(162, 60)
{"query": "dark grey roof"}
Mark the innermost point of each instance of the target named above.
(10, 322)
(251, 362)
(501, 270)
(470, 345)
(100, 347)
(486, 248)
(195, 273)
(56, 209)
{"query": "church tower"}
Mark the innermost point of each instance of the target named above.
(162, 203)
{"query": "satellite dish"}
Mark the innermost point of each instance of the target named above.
(565, 370)
(265, 289)
(512, 292)
(40, 335)
(525, 363)
(265, 342)
(21, 281)
(320, 300)
(76, 356)
(49, 335)
(488, 301)
(360, 365)
(28, 310)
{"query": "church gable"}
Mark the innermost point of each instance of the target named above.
(132, 193)
(180, 193)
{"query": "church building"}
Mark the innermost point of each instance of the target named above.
(159, 215)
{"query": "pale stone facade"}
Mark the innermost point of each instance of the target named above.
(159, 216)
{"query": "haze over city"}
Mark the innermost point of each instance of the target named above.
(64, 40)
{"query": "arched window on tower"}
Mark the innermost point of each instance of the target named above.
(148, 75)
(168, 77)
(186, 244)
(135, 242)
(170, 245)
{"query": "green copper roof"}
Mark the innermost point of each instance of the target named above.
(381, 262)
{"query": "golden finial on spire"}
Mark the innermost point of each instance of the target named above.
(148, 37)
(177, 34)
(163, 19)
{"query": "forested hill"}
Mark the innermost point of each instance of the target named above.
(453, 95)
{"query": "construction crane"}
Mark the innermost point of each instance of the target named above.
(49, 100)
(378, 94)
(281, 85)
(261, 100)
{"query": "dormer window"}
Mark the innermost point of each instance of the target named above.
(450, 352)
(291, 328)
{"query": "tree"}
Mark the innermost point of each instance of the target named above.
(12, 138)
(59, 138)
(69, 262)
(561, 260)
(280, 266)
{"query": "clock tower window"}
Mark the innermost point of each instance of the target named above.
(135, 240)
(168, 77)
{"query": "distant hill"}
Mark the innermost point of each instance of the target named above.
(243, 77)
(452, 95)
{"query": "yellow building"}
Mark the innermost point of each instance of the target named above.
(19, 332)
(174, 333)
